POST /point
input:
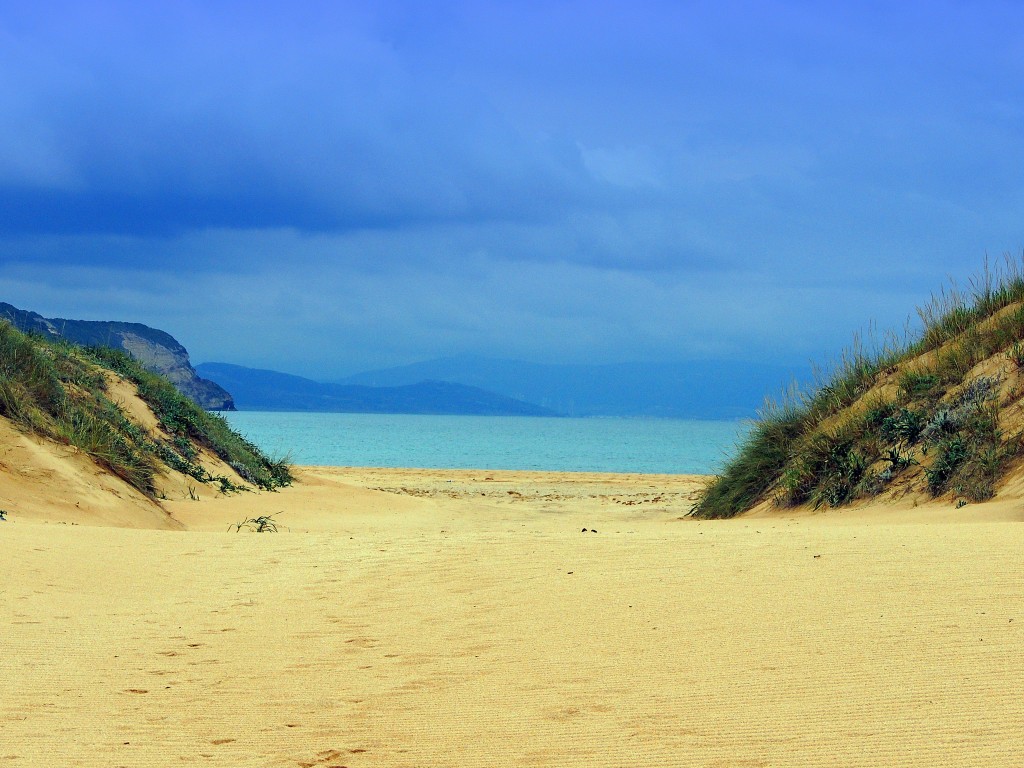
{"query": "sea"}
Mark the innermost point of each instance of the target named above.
(673, 446)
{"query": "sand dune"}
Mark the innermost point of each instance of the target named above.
(43, 480)
(404, 619)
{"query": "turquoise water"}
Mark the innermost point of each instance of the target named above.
(492, 442)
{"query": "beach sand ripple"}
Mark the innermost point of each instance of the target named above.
(404, 619)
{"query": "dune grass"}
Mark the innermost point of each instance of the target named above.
(939, 420)
(58, 390)
(187, 423)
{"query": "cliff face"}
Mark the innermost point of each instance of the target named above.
(156, 350)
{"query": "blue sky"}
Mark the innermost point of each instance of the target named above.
(327, 187)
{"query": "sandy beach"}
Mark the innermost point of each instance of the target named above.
(435, 618)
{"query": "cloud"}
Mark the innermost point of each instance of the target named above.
(345, 311)
(292, 128)
(594, 180)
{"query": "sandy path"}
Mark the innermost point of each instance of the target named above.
(355, 499)
(494, 633)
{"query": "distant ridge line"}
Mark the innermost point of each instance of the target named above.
(262, 389)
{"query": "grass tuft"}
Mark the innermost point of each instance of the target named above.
(261, 524)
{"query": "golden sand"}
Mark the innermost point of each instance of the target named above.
(430, 618)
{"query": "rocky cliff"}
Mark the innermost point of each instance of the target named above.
(158, 351)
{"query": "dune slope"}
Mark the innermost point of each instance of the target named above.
(940, 417)
(89, 436)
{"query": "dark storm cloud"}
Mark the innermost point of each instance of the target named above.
(606, 180)
(156, 119)
(320, 130)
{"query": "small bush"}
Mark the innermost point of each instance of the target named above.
(898, 461)
(951, 454)
(971, 454)
(903, 427)
(836, 467)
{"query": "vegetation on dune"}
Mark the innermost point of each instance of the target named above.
(922, 408)
(59, 390)
(188, 424)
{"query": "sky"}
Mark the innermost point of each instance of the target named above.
(329, 187)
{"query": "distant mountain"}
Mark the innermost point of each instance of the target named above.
(697, 389)
(263, 390)
(159, 352)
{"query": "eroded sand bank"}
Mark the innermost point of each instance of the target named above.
(435, 626)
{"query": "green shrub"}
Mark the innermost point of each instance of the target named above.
(951, 454)
(261, 524)
(832, 466)
(903, 427)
